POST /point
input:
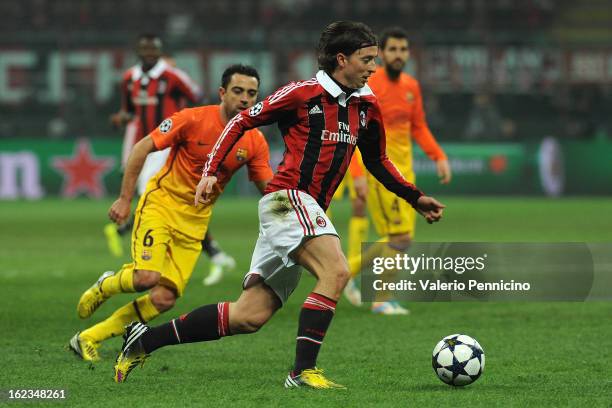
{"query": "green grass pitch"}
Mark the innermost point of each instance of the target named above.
(538, 354)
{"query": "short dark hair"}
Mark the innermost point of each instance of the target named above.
(391, 32)
(238, 69)
(150, 37)
(344, 37)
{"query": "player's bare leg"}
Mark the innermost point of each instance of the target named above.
(358, 233)
(384, 302)
(322, 256)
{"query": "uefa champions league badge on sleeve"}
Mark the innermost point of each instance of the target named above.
(165, 126)
(256, 109)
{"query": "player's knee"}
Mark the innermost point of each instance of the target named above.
(359, 207)
(249, 323)
(342, 277)
(245, 320)
(163, 298)
(144, 279)
(338, 278)
(400, 242)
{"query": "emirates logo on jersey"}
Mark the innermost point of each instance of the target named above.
(343, 135)
(145, 100)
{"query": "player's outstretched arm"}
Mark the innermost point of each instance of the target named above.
(120, 209)
(120, 119)
(425, 139)
(430, 208)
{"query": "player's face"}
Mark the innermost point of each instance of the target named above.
(395, 54)
(241, 94)
(357, 68)
(149, 51)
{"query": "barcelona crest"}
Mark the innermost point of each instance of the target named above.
(241, 154)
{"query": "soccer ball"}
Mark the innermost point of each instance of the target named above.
(458, 360)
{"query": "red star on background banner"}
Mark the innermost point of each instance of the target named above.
(83, 172)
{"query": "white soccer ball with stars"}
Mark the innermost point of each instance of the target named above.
(458, 360)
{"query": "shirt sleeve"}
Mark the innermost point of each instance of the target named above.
(420, 131)
(172, 131)
(263, 113)
(373, 147)
(186, 87)
(259, 165)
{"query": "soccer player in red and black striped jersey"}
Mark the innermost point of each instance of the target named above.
(322, 121)
(152, 90)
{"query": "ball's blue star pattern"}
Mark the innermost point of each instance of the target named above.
(458, 368)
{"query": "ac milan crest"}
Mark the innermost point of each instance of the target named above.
(321, 221)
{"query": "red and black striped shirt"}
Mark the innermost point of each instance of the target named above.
(321, 127)
(156, 94)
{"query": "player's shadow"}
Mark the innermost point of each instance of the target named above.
(429, 387)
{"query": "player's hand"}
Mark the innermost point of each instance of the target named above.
(119, 211)
(430, 208)
(444, 171)
(119, 119)
(361, 187)
(203, 190)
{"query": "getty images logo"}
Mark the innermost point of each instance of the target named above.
(343, 135)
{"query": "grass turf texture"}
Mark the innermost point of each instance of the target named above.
(538, 354)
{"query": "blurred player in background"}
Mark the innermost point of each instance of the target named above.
(322, 121)
(355, 185)
(152, 90)
(168, 229)
(401, 104)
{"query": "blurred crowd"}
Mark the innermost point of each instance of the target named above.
(189, 18)
(479, 113)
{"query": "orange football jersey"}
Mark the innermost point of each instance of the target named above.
(401, 105)
(192, 133)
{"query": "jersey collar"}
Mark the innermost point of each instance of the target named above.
(154, 73)
(334, 90)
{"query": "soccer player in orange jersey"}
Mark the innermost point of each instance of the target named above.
(152, 90)
(168, 228)
(401, 103)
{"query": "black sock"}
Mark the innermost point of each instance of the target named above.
(126, 227)
(315, 317)
(210, 322)
(210, 246)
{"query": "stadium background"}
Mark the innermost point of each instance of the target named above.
(517, 91)
(498, 78)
